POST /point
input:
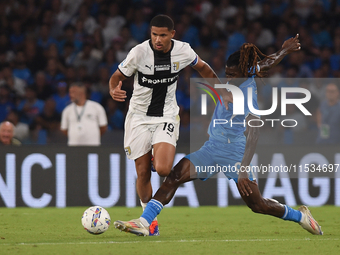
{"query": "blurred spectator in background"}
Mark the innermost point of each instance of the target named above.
(115, 21)
(21, 70)
(328, 116)
(291, 78)
(88, 58)
(81, 73)
(303, 7)
(30, 107)
(118, 48)
(190, 33)
(54, 72)
(264, 37)
(5, 48)
(61, 98)
(48, 122)
(110, 61)
(15, 84)
(80, 33)
(70, 74)
(17, 36)
(6, 134)
(70, 39)
(227, 10)
(320, 35)
(254, 9)
(127, 40)
(45, 40)
(6, 104)
(21, 130)
(91, 92)
(335, 57)
(108, 33)
(98, 41)
(289, 133)
(278, 7)
(317, 88)
(139, 27)
(83, 121)
(44, 91)
(185, 122)
(52, 52)
(60, 18)
(89, 22)
(218, 66)
(34, 58)
(103, 76)
(115, 116)
(235, 38)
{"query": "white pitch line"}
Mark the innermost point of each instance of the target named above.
(181, 241)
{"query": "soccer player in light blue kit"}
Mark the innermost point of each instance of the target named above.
(229, 146)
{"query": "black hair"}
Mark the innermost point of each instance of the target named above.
(234, 59)
(162, 21)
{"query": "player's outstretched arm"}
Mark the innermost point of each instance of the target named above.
(207, 72)
(289, 46)
(115, 85)
(252, 134)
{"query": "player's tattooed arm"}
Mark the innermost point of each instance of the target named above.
(208, 73)
(289, 46)
(115, 85)
(252, 134)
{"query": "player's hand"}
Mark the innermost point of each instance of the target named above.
(243, 184)
(117, 93)
(292, 44)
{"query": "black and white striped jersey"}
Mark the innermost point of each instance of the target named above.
(156, 75)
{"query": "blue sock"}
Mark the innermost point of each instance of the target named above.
(152, 209)
(291, 214)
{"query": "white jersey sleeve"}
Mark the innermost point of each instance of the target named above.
(191, 56)
(130, 64)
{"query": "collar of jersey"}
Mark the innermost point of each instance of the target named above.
(160, 52)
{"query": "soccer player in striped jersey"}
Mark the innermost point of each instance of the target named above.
(152, 121)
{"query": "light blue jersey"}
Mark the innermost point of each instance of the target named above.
(224, 150)
(235, 127)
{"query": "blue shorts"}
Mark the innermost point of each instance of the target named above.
(215, 156)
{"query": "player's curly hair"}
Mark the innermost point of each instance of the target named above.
(245, 60)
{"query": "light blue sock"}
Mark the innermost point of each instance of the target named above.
(291, 214)
(152, 209)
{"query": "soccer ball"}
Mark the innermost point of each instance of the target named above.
(96, 220)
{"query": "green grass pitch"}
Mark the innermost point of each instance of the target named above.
(203, 230)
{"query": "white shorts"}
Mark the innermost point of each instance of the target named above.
(142, 132)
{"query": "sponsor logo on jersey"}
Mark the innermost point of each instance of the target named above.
(167, 81)
(148, 67)
(176, 66)
(162, 67)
